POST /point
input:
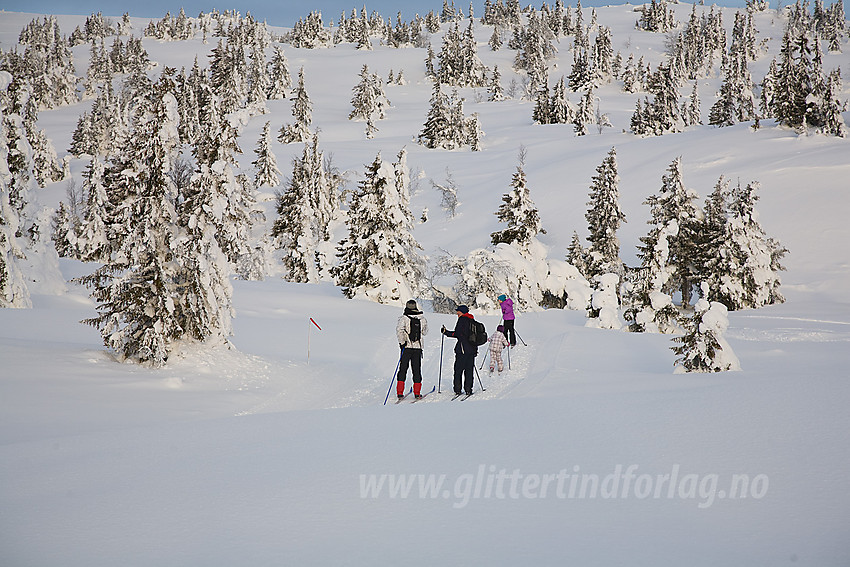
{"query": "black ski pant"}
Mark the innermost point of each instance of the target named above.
(510, 334)
(464, 369)
(411, 357)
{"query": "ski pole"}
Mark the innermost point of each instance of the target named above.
(520, 338)
(509, 357)
(394, 375)
(440, 378)
(484, 358)
(483, 389)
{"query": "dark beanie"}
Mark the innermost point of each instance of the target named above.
(463, 308)
(410, 304)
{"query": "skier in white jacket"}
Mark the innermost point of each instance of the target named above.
(410, 329)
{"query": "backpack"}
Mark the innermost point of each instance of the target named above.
(415, 332)
(477, 333)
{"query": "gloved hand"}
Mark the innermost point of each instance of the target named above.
(443, 329)
(401, 346)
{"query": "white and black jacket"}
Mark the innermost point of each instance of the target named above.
(402, 328)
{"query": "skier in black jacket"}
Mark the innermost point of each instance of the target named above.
(465, 351)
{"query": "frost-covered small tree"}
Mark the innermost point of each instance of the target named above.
(542, 113)
(266, 172)
(496, 93)
(259, 82)
(448, 194)
(577, 254)
(604, 309)
(702, 348)
(604, 218)
(302, 111)
(380, 257)
(280, 81)
(369, 101)
(584, 115)
(561, 110)
(518, 212)
(691, 114)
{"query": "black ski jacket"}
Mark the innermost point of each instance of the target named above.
(461, 333)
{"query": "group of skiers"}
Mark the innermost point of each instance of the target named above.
(412, 326)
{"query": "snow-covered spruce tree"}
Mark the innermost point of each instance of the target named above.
(712, 259)
(302, 111)
(229, 75)
(584, 115)
(603, 312)
(495, 92)
(46, 166)
(535, 51)
(702, 348)
(225, 200)
(306, 209)
(581, 76)
(64, 231)
(139, 289)
(675, 214)
(380, 257)
(259, 82)
(656, 17)
(604, 218)
(795, 90)
(542, 113)
(280, 81)
(369, 101)
(33, 252)
(13, 288)
(561, 110)
(577, 254)
(752, 279)
(735, 102)
(267, 174)
(646, 307)
(602, 57)
(47, 64)
(662, 115)
(518, 212)
(294, 230)
(691, 114)
(205, 308)
(93, 243)
(459, 64)
(445, 126)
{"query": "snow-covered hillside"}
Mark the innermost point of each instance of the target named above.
(277, 449)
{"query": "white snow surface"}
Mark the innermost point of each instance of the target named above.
(251, 453)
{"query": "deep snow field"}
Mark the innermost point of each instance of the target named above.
(589, 451)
